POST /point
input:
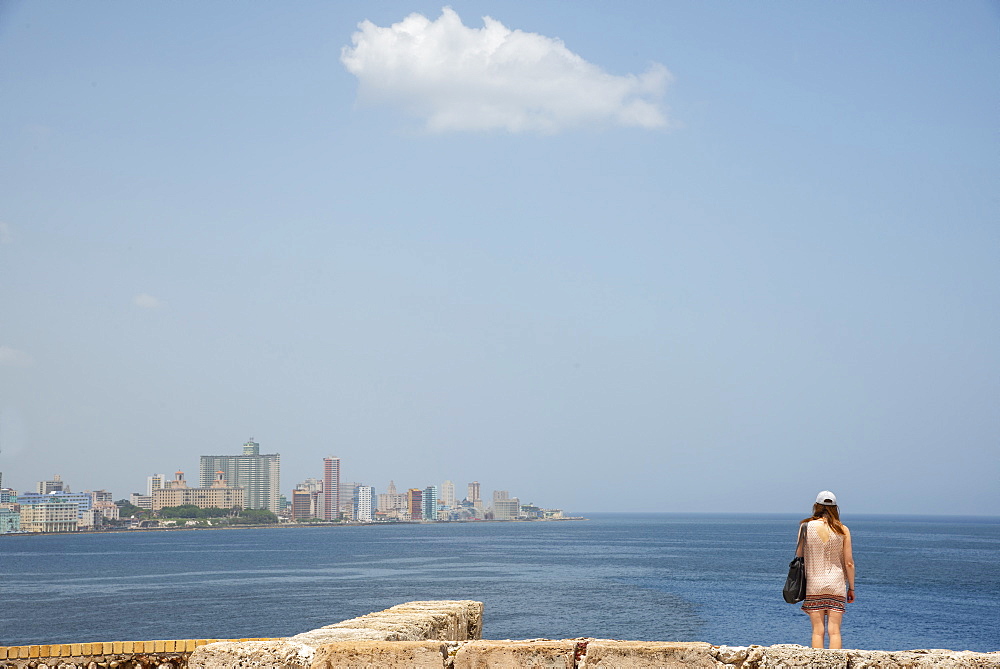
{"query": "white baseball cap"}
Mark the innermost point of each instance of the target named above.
(826, 498)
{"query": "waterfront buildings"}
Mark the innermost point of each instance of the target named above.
(82, 500)
(50, 513)
(308, 499)
(506, 509)
(392, 505)
(217, 495)
(331, 487)
(258, 474)
(10, 520)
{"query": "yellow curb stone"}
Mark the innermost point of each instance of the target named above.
(169, 646)
(65, 650)
(22, 652)
(116, 647)
(87, 648)
(3, 652)
(76, 649)
(33, 651)
(157, 646)
(127, 646)
(190, 645)
(107, 648)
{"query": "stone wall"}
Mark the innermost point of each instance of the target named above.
(447, 635)
(442, 621)
(162, 653)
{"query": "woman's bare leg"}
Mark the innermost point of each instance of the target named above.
(834, 627)
(817, 619)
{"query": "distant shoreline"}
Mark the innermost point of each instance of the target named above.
(262, 526)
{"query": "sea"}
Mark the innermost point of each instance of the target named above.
(922, 582)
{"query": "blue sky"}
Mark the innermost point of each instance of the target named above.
(677, 256)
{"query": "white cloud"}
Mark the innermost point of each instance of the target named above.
(6, 233)
(11, 357)
(146, 301)
(459, 78)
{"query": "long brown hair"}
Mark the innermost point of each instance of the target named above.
(831, 514)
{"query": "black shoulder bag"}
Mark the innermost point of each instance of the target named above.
(795, 585)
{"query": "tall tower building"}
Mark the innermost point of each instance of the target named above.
(448, 494)
(331, 487)
(348, 499)
(364, 505)
(415, 499)
(430, 503)
(155, 482)
(473, 495)
(258, 474)
(55, 485)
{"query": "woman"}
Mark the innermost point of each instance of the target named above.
(829, 569)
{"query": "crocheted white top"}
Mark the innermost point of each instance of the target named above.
(824, 561)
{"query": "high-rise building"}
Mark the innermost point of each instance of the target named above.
(500, 494)
(430, 503)
(364, 505)
(55, 485)
(302, 504)
(155, 482)
(448, 494)
(415, 499)
(331, 488)
(347, 500)
(473, 496)
(258, 474)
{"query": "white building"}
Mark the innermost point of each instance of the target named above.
(155, 482)
(365, 507)
(506, 509)
(447, 494)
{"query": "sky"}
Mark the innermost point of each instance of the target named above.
(645, 256)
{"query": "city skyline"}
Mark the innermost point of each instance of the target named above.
(673, 249)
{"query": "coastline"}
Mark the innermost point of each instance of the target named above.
(261, 526)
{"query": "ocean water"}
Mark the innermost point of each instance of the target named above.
(923, 582)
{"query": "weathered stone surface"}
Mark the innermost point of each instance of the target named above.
(414, 621)
(788, 655)
(232, 655)
(531, 654)
(394, 655)
(611, 654)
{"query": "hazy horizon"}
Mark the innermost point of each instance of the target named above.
(674, 257)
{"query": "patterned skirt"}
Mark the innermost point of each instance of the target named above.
(824, 603)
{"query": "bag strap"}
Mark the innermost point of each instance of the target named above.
(802, 538)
